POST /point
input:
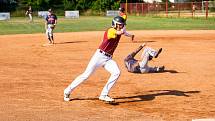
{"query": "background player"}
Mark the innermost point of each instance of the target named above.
(124, 16)
(102, 58)
(51, 22)
(136, 66)
(29, 13)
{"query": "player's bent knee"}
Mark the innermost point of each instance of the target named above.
(117, 73)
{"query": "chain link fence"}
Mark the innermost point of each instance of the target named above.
(188, 9)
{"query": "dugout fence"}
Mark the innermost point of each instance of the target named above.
(189, 9)
(186, 9)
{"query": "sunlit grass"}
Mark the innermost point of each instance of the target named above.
(19, 25)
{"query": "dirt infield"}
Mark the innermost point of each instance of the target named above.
(33, 78)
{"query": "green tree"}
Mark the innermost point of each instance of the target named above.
(69, 4)
(83, 5)
(8, 5)
(103, 5)
(60, 5)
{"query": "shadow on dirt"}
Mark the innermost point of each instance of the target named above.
(147, 41)
(70, 42)
(171, 71)
(138, 41)
(85, 98)
(109, 103)
(148, 97)
(165, 71)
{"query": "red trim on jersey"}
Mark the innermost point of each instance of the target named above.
(109, 45)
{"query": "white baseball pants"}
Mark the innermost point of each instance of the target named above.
(98, 59)
(30, 17)
(49, 31)
(144, 68)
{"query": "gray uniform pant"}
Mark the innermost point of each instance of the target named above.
(144, 68)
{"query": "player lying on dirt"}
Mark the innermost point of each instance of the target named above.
(135, 66)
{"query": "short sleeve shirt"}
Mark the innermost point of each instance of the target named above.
(110, 41)
(51, 19)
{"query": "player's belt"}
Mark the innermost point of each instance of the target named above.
(106, 54)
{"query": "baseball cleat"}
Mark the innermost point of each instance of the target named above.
(150, 57)
(132, 37)
(106, 98)
(159, 51)
(66, 97)
(161, 69)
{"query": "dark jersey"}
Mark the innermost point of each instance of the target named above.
(29, 11)
(131, 63)
(51, 19)
(110, 41)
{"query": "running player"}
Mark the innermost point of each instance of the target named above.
(102, 58)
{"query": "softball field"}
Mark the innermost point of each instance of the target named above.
(33, 78)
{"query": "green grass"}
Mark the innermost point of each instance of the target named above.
(20, 25)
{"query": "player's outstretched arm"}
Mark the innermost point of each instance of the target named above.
(138, 50)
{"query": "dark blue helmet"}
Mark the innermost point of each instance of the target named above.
(117, 20)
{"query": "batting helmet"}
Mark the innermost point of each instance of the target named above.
(117, 20)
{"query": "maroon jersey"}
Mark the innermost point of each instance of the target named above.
(110, 41)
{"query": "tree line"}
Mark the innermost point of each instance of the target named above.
(81, 5)
(84, 6)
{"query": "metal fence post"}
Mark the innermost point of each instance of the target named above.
(166, 8)
(206, 9)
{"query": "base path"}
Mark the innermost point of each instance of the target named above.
(34, 76)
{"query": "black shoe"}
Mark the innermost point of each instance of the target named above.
(161, 69)
(132, 37)
(150, 57)
(159, 51)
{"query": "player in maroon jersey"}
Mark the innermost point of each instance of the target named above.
(103, 58)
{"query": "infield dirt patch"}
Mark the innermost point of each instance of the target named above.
(33, 78)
